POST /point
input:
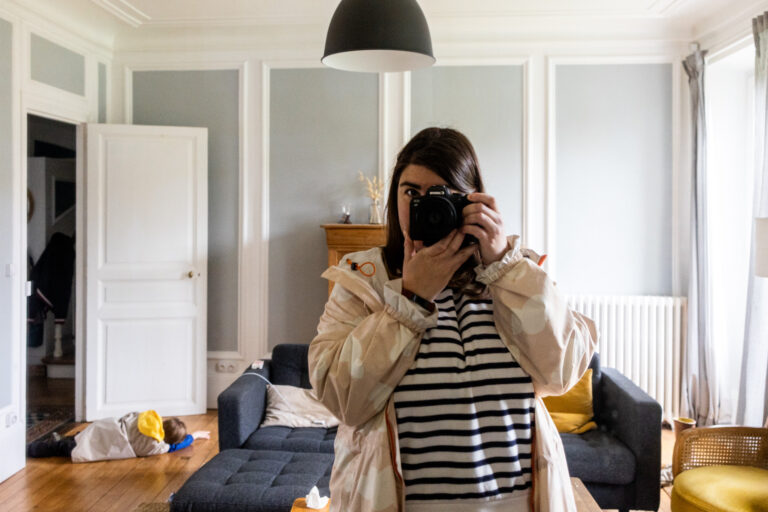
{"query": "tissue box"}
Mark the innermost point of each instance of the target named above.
(300, 505)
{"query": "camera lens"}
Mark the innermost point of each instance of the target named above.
(435, 218)
(439, 218)
(434, 215)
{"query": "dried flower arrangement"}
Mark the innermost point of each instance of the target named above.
(375, 187)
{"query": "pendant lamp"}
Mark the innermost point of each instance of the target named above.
(378, 36)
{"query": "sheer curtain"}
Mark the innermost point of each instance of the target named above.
(700, 400)
(753, 386)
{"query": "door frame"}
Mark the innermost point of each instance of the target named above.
(42, 107)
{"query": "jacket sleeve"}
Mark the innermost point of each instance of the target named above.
(188, 440)
(552, 343)
(363, 349)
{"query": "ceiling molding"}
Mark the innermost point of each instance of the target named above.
(124, 11)
(665, 7)
(728, 26)
(239, 21)
(196, 14)
(79, 30)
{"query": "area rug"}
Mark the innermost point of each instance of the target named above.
(44, 419)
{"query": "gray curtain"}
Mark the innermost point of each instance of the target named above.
(753, 385)
(699, 400)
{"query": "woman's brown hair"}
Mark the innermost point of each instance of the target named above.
(450, 155)
(175, 430)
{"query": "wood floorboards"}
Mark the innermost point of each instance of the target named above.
(55, 484)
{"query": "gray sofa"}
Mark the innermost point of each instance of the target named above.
(264, 469)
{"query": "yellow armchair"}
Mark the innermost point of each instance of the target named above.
(721, 469)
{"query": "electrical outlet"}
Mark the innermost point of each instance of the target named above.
(226, 367)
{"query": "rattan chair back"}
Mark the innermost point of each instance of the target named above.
(713, 446)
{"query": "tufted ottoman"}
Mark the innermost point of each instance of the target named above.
(254, 480)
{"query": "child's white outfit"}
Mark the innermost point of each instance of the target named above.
(133, 435)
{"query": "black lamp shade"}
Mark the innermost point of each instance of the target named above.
(378, 36)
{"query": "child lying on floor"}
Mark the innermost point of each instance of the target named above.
(133, 435)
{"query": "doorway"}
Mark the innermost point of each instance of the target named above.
(51, 181)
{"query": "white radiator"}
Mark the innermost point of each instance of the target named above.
(642, 337)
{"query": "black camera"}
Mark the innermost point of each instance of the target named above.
(437, 213)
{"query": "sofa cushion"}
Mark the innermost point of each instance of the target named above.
(301, 439)
(709, 488)
(254, 481)
(597, 456)
(572, 411)
(597, 375)
(292, 406)
(289, 365)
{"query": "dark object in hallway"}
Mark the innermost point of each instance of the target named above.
(51, 286)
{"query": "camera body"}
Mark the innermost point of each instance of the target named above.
(435, 214)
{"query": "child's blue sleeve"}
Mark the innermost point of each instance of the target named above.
(182, 444)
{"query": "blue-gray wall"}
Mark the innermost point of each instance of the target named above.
(486, 104)
(102, 92)
(323, 130)
(206, 99)
(614, 178)
(57, 66)
(6, 210)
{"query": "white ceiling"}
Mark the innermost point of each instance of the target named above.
(217, 12)
(150, 24)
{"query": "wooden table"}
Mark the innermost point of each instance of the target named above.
(584, 501)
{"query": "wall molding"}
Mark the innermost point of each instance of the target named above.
(678, 147)
(721, 30)
(394, 117)
(18, 253)
(526, 165)
(250, 343)
(56, 33)
(43, 100)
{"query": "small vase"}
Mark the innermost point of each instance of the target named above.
(375, 216)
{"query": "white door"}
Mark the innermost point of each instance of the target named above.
(146, 211)
(13, 311)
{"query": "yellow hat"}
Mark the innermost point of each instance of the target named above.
(151, 425)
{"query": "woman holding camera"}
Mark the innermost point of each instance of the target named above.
(435, 356)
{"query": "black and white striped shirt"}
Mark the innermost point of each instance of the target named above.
(465, 410)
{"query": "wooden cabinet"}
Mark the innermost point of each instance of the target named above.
(345, 238)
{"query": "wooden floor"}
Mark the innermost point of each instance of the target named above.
(56, 484)
(43, 391)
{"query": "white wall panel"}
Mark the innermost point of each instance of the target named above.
(57, 66)
(613, 178)
(323, 131)
(485, 103)
(207, 98)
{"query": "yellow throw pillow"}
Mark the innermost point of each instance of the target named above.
(572, 412)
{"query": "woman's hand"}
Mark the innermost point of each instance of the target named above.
(427, 270)
(201, 434)
(483, 221)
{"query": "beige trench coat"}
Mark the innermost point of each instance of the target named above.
(368, 337)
